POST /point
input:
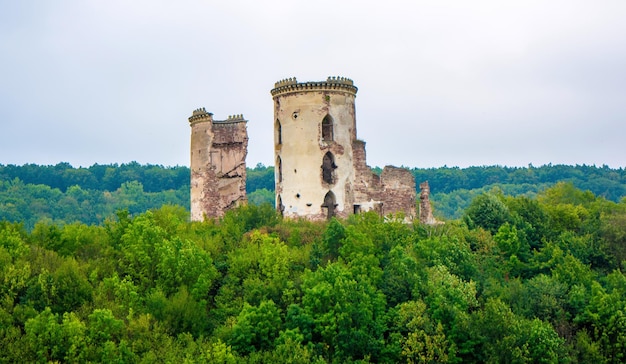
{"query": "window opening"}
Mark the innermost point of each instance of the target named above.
(328, 167)
(357, 209)
(329, 205)
(279, 164)
(279, 205)
(279, 131)
(327, 129)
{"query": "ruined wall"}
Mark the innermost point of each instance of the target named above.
(398, 192)
(366, 185)
(218, 164)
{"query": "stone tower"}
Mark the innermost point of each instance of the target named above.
(320, 164)
(218, 164)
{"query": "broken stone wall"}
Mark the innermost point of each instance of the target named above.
(398, 191)
(229, 150)
(367, 187)
(218, 168)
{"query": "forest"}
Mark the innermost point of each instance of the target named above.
(516, 278)
(64, 194)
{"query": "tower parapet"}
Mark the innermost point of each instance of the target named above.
(200, 115)
(332, 83)
(237, 118)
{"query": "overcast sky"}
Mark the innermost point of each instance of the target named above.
(456, 83)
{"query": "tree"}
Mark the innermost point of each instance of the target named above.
(424, 340)
(348, 313)
(257, 327)
(503, 337)
(488, 212)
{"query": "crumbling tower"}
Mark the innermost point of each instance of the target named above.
(218, 164)
(426, 211)
(319, 163)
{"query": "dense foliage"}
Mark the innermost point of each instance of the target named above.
(516, 280)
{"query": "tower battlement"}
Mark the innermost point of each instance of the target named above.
(237, 118)
(344, 80)
(286, 82)
(332, 83)
(200, 114)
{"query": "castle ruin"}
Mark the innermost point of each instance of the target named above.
(218, 164)
(320, 165)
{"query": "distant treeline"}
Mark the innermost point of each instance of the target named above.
(64, 193)
(110, 177)
(602, 181)
(101, 177)
(453, 188)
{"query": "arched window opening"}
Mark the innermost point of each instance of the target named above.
(279, 133)
(279, 167)
(327, 129)
(328, 167)
(279, 205)
(329, 205)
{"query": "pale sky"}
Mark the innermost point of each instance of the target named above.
(456, 83)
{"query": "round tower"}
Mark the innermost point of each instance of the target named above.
(314, 134)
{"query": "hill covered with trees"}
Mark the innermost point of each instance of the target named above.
(515, 279)
(64, 194)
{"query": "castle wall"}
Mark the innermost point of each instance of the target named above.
(218, 167)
